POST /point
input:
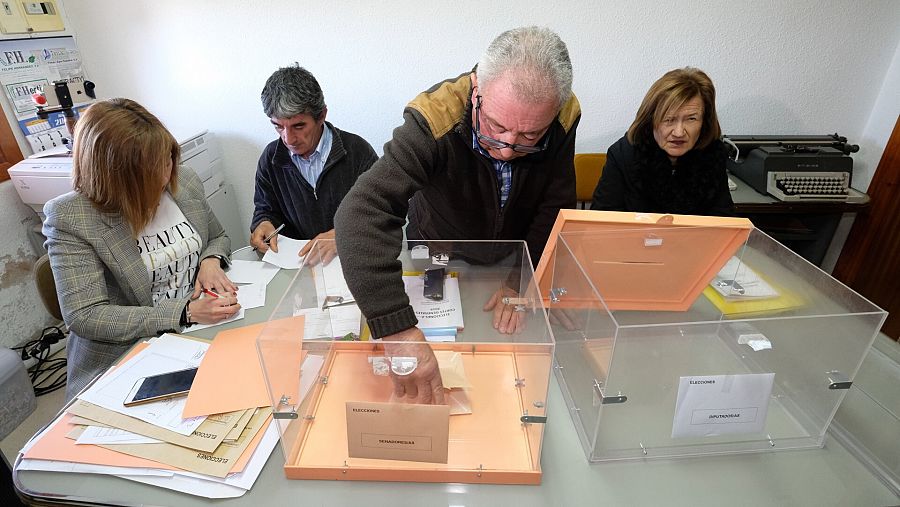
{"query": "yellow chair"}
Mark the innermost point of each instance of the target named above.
(588, 167)
(46, 286)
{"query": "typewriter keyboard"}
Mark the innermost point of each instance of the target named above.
(797, 186)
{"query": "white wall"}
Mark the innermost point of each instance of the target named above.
(798, 67)
(780, 67)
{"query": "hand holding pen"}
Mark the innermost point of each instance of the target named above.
(265, 236)
(213, 307)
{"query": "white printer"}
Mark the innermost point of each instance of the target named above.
(38, 179)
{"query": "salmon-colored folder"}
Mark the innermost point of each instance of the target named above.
(230, 376)
(640, 261)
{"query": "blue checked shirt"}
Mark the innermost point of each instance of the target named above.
(311, 168)
(503, 168)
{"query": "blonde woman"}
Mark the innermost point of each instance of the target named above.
(135, 244)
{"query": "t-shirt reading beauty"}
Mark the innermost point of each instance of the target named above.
(170, 249)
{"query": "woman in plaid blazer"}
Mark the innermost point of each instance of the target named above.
(136, 242)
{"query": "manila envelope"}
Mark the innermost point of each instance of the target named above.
(230, 376)
(206, 437)
(398, 431)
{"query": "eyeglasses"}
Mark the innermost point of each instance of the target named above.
(498, 144)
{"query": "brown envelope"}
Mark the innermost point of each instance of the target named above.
(398, 431)
(205, 438)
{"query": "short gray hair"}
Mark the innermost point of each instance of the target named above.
(537, 57)
(290, 91)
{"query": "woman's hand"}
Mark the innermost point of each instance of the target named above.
(210, 310)
(210, 276)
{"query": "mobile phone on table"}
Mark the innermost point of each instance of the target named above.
(160, 387)
(434, 284)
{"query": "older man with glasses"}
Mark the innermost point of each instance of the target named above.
(487, 155)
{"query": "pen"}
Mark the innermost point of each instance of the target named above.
(210, 293)
(273, 233)
(270, 236)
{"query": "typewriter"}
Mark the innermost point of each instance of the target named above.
(795, 168)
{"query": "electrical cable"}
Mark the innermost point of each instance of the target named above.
(47, 375)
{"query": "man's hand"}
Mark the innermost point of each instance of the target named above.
(323, 251)
(262, 231)
(506, 319)
(210, 276)
(424, 384)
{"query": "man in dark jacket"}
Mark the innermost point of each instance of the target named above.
(302, 177)
(487, 155)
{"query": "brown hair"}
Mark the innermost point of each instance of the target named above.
(121, 157)
(668, 94)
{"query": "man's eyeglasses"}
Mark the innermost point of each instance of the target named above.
(498, 144)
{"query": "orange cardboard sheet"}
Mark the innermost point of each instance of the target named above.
(628, 271)
(230, 377)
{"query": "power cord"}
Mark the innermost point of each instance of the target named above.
(47, 375)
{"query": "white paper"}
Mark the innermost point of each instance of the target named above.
(251, 272)
(288, 254)
(756, 341)
(232, 486)
(330, 281)
(164, 354)
(45, 465)
(334, 322)
(722, 404)
(197, 327)
(737, 281)
(252, 295)
(98, 435)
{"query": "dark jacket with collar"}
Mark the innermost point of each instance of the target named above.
(283, 196)
(644, 180)
(430, 170)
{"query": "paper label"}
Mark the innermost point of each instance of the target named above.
(722, 405)
(398, 431)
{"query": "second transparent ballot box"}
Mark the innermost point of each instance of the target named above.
(344, 401)
(710, 338)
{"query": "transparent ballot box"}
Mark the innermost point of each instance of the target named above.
(334, 389)
(680, 336)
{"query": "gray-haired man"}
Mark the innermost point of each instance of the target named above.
(487, 155)
(302, 177)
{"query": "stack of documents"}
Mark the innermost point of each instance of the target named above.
(212, 443)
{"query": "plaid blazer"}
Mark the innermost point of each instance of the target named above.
(103, 285)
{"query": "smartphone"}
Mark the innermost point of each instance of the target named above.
(434, 284)
(161, 387)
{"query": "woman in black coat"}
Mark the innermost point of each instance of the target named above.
(671, 160)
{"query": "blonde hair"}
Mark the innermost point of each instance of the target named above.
(667, 95)
(121, 157)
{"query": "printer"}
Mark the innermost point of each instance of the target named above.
(795, 168)
(42, 177)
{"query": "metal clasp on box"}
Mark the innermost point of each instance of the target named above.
(519, 304)
(332, 301)
(285, 401)
(837, 380)
(603, 398)
(557, 293)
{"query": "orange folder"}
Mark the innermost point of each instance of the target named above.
(230, 376)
